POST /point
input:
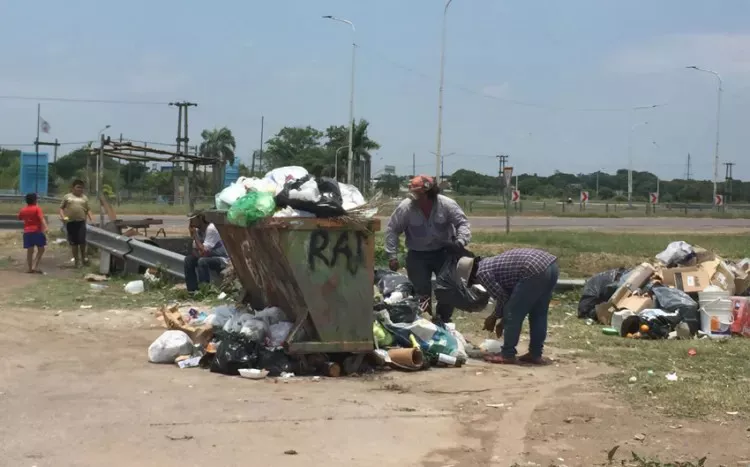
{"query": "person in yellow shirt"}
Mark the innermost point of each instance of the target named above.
(74, 210)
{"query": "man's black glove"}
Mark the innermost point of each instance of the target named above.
(456, 247)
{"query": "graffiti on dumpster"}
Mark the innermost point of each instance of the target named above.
(330, 248)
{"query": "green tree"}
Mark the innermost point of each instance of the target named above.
(362, 147)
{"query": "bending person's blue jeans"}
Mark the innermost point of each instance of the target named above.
(198, 270)
(530, 297)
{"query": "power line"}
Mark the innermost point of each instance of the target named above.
(81, 100)
(515, 101)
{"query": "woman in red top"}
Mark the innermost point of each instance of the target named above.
(34, 229)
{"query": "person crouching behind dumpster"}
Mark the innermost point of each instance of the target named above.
(436, 228)
(521, 281)
(209, 253)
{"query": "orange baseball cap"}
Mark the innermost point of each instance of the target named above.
(421, 183)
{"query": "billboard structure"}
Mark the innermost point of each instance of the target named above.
(34, 176)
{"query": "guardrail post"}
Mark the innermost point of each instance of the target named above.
(563, 206)
(606, 207)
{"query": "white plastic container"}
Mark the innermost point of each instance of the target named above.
(135, 287)
(717, 318)
(618, 317)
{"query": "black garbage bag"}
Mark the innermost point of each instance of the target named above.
(276, 361)
(395, 282)
(329, 189)
(675, 300)
(405, 311)
(232, 354)
(598, 289)
(325, 206)
(452, 290)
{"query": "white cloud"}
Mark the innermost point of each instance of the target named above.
(725, 53)
(497, 90)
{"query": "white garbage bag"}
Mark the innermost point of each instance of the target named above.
(256, 330)
(220, 315)
(258, 184)
(279, 177)
(229, 195)
(351, 196)
(278, 333)
(236, 322)
(307, 192)
(291, 212)
(675, 253)
(271, 315)
(169, 346)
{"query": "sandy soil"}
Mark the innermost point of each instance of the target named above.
(76, 390)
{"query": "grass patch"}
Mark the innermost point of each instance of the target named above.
(713, 383)
(74, 292)
(584, 253)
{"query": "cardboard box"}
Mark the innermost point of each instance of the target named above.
(688, 279)
(697, 278)
(634, 303)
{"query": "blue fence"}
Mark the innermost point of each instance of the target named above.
(231, 174)
(34, 177)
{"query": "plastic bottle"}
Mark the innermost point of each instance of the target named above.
(134, 287)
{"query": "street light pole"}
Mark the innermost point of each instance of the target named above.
(438, 157)
(630, 162)
(718, 122)
(349, 166)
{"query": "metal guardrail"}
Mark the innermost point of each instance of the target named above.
(137, 251)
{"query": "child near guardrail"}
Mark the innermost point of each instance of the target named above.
(34, 232)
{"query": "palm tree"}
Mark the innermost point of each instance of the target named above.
(218, 144)
(361, 147)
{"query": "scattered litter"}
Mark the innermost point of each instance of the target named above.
(495, 406)
(589, 322)
(632, 379)
(672, 377)
(135, 287)
(60, 241)
(222, 296)
(59, 312)
(87, 307)
(733, 413)
(253, 373)
(316, 379)
(97, 287)
(95, 278)
(639, 437)
(650, 372)
(170, 345)
(692, 352)
(192, 362)
(286, 375)
(291, 452)
(179, 438)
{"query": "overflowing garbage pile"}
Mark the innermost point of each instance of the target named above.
(233, 340)
(403, 338)
(688, 292)
(289, 192)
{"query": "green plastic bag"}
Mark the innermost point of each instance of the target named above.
(250, 208)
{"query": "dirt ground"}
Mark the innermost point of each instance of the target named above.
(77, 390)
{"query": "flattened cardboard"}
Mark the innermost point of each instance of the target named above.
(635, 303)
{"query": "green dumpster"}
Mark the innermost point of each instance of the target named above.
(319, 271)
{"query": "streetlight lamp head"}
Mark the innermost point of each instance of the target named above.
(107, 127)
(327, 17)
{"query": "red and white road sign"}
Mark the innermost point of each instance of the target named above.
(584, 196)
(515, 196)
(719, 200)
(653, 198)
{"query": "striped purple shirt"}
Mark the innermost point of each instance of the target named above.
(500, 274)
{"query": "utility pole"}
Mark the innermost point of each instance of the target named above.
(501, 159)
(728, 182)
(260, 151)
(688, 174)
(183, 149)
(413, 164)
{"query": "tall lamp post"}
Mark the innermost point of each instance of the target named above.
(99, 170)
(630, 162)
(349, 166)
(336, 162)
(718, 121)
(438, 157)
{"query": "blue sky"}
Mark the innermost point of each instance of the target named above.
(547, 82)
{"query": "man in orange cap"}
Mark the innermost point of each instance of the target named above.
(435, 227)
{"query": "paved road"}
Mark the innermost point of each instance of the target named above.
(655, 224)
